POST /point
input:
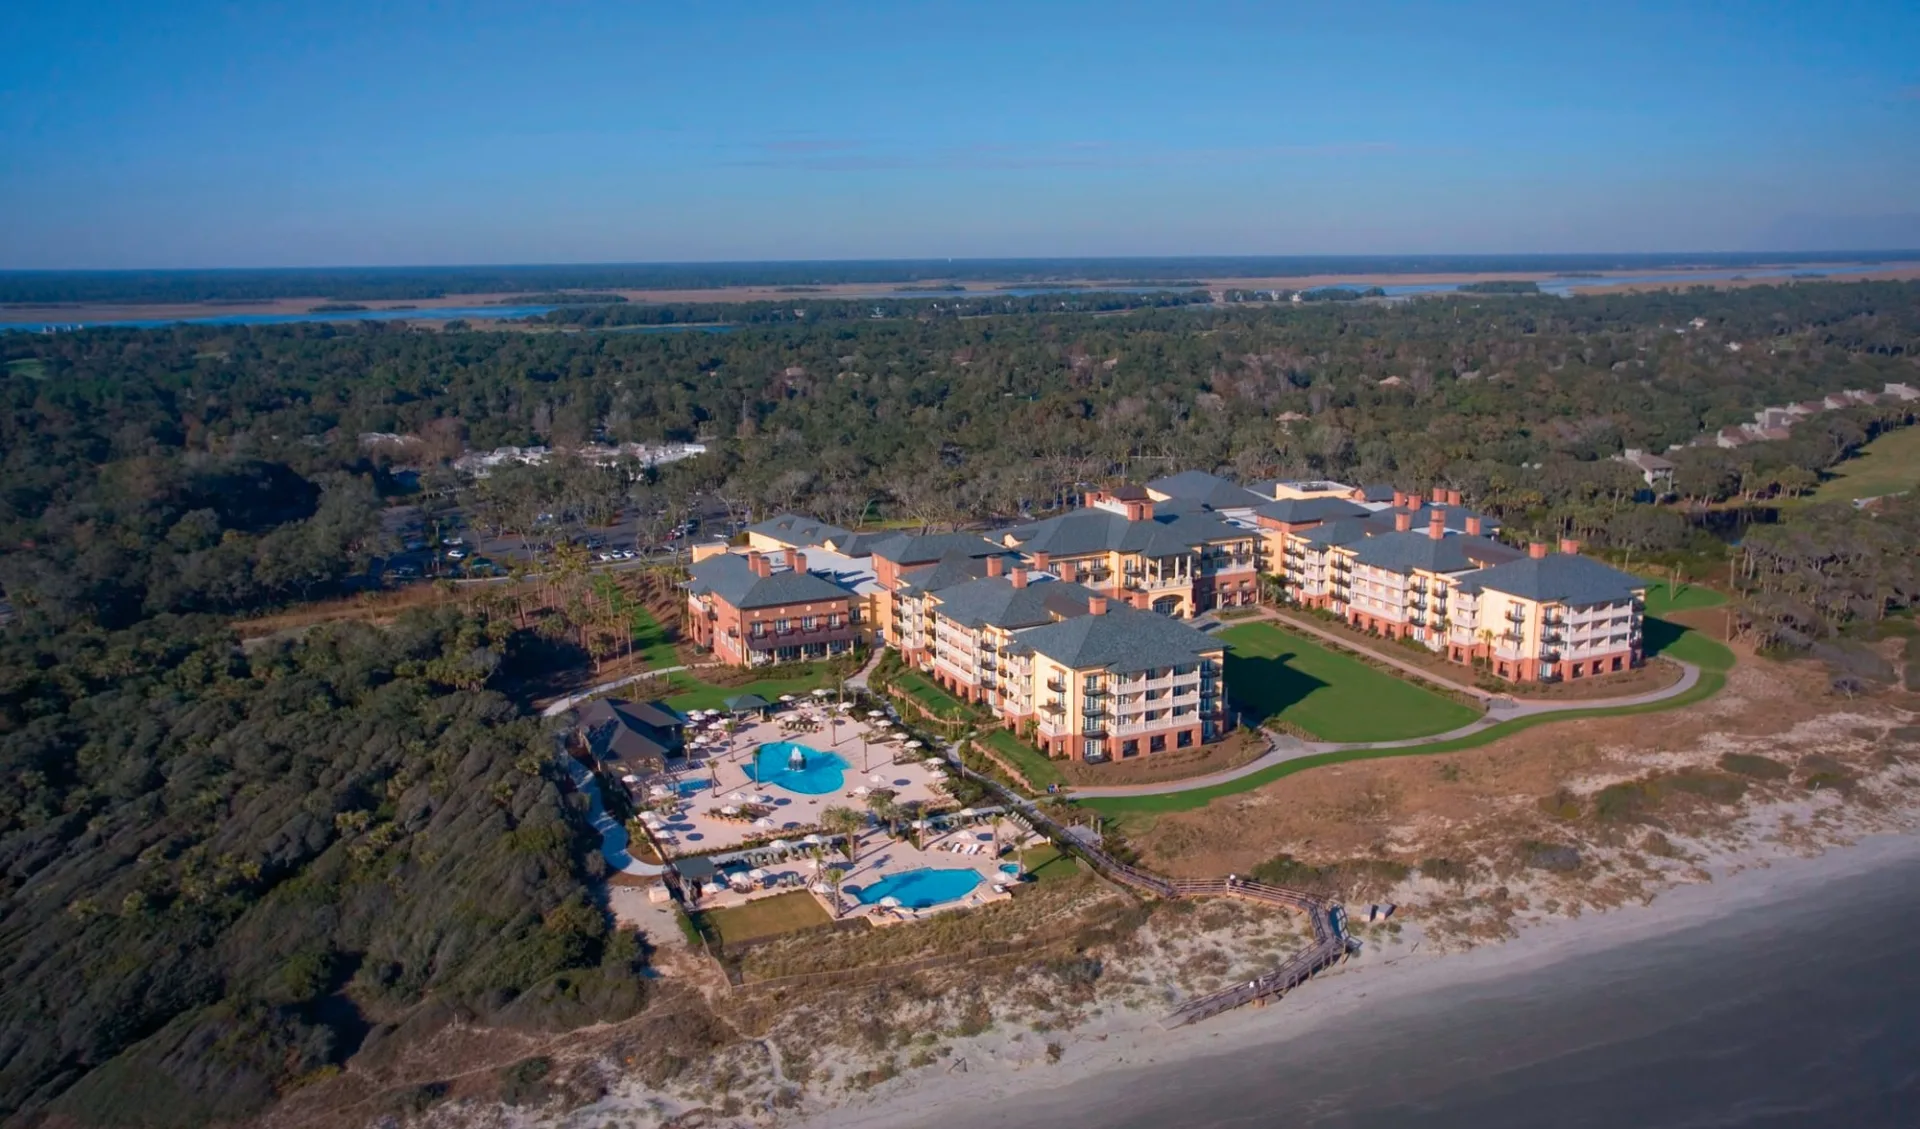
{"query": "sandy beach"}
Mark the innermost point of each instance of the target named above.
(1378, 983)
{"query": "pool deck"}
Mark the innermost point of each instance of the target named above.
(879, 856)
(697, 826)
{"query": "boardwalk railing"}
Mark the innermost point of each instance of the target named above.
(1330, 943)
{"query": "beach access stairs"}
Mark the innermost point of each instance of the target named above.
(1329, 945)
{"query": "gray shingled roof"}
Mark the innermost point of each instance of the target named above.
(1344, 531)
(1453, 518)
(1566, 578)
(1209, 490)
(924, 548)
(952, 569)
(1293, 510)
(730, 578)
(1404, 552)
(1378, 492)
(797, 529)
(1093, 530)
(630, 731)
(1124, 640)
(995, 602)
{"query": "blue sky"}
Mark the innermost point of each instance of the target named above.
(267, 134)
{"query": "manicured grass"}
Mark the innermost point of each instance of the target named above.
(1047, 864)
(1275, 673)
(923, 690)
(1032, 763)
(766, 917)
(1888, 465)
(650, 639)
(685, 692)
(1712, 657)
(1661, 599)
(33, 368)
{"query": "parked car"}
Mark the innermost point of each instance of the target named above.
(456, 554)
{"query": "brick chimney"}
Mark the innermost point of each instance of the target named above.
(1399, 500)
(758, 564)
(1473, 527)
(1439, 496)
(1096, 605)
(791, 556)
(996, 565)
(1041, 561)
(1402, 522)
(1019, 578)
(1453, 497)
(798, 561)
(1437, 527)
(1569, 546)
(1537, 550)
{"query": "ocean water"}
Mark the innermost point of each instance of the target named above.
(1807, 1015)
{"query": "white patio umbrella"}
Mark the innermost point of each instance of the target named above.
(862, 790)
(933, 762)
(712, 888)
(876, 713)
(890, 902)
(729, 810)
(779, 845)
(821, 888)
(843, 707)
(821, 692)
(876, 778)
(738, 797)
(813, 864)
(915, 745)
(763, 821)
(786, 697)
(966, 813)
(629, 778)
(813, 840)
(757, 874)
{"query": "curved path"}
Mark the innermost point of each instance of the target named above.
(613, 834)
(1281, 749)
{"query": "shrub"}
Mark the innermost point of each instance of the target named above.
(1758, 767)
(1555, 857)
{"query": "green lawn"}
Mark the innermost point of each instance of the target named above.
(766, 917)
(1047, 864)
(923, 690)
(685, 692)
(650, 639)
(1032, 763)
(1663, 637)
(33, 368)
(1272, 672)
(1888, 465)
(1662, 599)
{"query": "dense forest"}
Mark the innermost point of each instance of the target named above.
(225, 870)
(395, 283)
(224, 873)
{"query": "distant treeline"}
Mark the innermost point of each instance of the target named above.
(394, 283)
(864, 309)
(1340, 294)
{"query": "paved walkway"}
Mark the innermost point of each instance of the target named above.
(613, 835)
(1281, 749)
(572, 700)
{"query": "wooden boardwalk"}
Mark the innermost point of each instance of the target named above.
(1330, 943)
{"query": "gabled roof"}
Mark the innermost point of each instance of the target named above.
(730, 578)
(1094, 530)
(1565, 578)
(925, 548)
(1123, 641)
(798, 529)
(630, 731)
(995, 602)
(1378, 492)
(1296, 510)
(1405, 552)
(954, 568)
(1210, 490)
(1344, 531)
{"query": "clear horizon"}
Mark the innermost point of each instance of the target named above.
(207, 136)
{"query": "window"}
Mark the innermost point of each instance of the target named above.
(1185, 738)
(759, 630)
(1129, 748)
(836, 621)
(783, 625)
(808, 623)
(1157, 743)
(1091, 750)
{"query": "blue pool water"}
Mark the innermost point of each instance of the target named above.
(918, 889)
(825, 772)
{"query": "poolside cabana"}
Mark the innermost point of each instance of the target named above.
(742, 705)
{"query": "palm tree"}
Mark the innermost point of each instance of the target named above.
(847, 822)
(999, 821)
(833, 877)
(881, 804)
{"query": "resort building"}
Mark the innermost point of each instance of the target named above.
(1210, 491)
(1397, 584)
(751, 611)
(1176, 558)
(904, 563)
(640, 736)
(1549, 616)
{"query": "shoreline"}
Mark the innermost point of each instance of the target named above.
(1380, 979)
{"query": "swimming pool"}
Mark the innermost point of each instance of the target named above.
(919, 889)
(825, 772)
